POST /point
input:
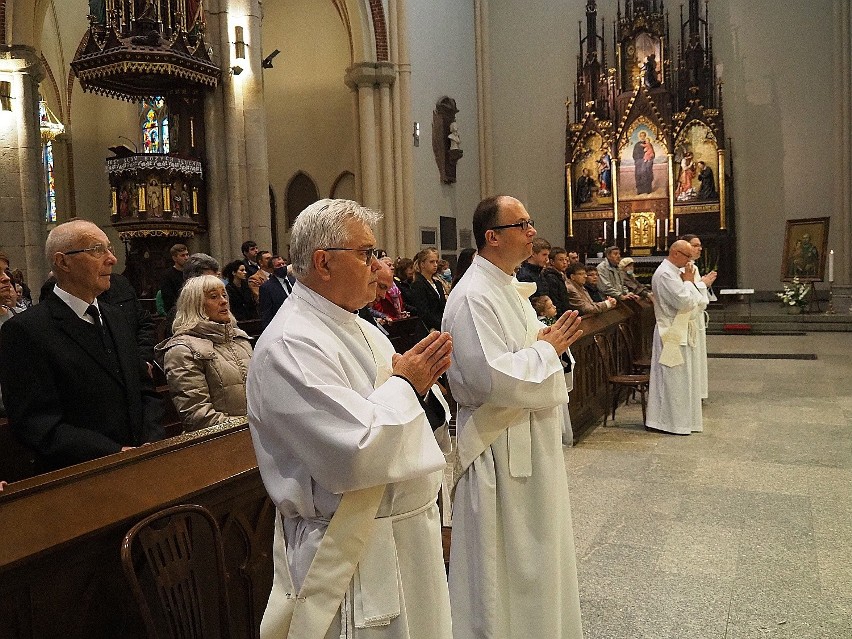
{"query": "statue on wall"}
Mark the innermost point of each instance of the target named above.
(605, 173)
(643, 158)
(446, 141)
(649, 72)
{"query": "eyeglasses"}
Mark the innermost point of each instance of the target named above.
(369, 253)
(688, 255)
(523, 225)
(98, 250)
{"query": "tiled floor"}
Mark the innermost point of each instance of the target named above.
(741, 532)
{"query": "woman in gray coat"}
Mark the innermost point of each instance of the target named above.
(206, 361)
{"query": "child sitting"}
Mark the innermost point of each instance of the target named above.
(545, 309)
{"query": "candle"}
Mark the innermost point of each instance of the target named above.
(677, 227)
(614, 231)
(624, 227)
(667, 227)
(658, 228)
(604, 232)
(831, 265)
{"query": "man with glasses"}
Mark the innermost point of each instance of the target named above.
(512, 563)
(342, 429)
(73, 382)
(674, 401)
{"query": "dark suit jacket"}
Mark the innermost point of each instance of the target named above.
(428, 302)
(552, 283)
(272, 296)
(63, 398)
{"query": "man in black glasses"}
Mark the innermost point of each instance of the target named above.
(73, 382)
(512, 566)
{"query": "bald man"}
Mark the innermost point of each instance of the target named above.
(674, 402)
(73, 382)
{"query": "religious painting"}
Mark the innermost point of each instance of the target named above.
(644, 172)
(805, 249)
(642, 62)
(696, 158)
(592, 174)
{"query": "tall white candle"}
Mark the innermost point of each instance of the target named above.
(658, 229)
(624, 228)
(614, 231)
(604, 232)
(677, 227)
(667, 227)
(831, 265)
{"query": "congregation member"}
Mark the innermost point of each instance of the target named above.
(275, 290)
(403, 277)
(426, 292)
(674, 401)
(611, 278)
(249, 250)
(462, 264)
(699, 320)
(240, 299)
(206, 361)
(551, 281)
(172, 280)
(195, 265)
(345, 447)
(545, 309)
(7, 295)
(573, 257)
(578, 293)
(512, 560)
(24, 293)
(628, 273)
(387, 306)
(591, 285)
(531, 268)
(73, 382)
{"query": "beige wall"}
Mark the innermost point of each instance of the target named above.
(442, 49)
(309, 110)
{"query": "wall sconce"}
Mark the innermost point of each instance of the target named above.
(5, 96)
(236, 69)
(239, 44)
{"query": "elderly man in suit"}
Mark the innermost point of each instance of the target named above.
(275, 290)
(73, 382)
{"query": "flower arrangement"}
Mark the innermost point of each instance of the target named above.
(796, 294)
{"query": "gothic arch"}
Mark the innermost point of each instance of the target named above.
(301, 192)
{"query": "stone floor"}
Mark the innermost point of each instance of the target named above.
(741, 532)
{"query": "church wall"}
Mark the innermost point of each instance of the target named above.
(533, 52)
(309, 110)
(443, 63)
(779, 104)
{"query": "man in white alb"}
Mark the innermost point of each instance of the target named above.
(512, 562)
(674, 401)
(703, 283)
(343, 432)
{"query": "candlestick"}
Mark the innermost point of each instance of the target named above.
(677, 227)
(831, 265)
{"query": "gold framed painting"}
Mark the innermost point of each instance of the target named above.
(805, 249)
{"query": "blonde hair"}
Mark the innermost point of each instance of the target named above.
(190, 303)
(423, 255)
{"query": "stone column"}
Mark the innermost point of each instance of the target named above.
(483, 95)
(22, 196)
(410, 243)
(401, 129)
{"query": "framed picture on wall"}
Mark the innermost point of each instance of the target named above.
(805, 249)
(428, 236)
(465, 238)
(449, 241)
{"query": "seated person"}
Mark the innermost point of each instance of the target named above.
(73, 381)
(633, 285)
(579, 295)
(591, 285)
(206, 362)
(385, 307)
(240, 297)
(545, 309)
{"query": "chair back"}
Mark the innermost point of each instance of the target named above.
(627, 340)
(175, 565)
(605, 354)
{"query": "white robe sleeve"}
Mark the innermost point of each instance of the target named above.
(346, 441)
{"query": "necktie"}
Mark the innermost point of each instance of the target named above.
(112, 358)
(95, 314)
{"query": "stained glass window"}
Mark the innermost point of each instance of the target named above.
(50, 183)
(155, 126)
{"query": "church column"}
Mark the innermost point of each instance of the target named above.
(569, 200)
(843, 73)
(483, 95)
(21, 185)
(388, 182)
(402, 126)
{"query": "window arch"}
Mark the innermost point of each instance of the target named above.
(301, 192)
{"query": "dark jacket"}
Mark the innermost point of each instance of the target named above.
(528, 272)
(272, 296)
(594, 293)
(170, 287)
(552, 283)
(242, 302)
(63, 397)
(428, 302)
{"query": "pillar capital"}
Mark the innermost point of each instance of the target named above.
(370, 74)
(21, 59)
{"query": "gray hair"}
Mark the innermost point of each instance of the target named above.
(197, 263)
(63, 237)
(190, 303)
(323, 224)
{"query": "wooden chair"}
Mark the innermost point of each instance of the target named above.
(638, 364)
(617, 380)
(175, 565)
